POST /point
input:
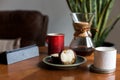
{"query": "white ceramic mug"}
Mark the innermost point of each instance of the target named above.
(105, 58)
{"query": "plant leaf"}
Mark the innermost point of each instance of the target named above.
(103, 20)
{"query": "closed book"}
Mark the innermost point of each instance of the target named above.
(16, 55)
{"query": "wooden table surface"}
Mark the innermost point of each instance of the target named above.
(34, 69)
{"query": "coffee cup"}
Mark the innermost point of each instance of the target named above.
(104, 59)
(55, 43)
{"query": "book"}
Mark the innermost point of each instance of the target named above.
(16, 55)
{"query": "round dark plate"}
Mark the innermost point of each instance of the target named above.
(79, 60)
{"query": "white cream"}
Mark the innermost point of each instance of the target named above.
(67, 56)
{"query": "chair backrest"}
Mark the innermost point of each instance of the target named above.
(29, 25)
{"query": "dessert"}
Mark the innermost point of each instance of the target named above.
(55, 58)
(67, 56)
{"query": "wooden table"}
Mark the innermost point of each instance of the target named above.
(33, 69)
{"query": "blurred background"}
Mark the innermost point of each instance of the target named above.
(59, 16)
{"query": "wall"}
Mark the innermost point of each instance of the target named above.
(59, 16)
(114, 34)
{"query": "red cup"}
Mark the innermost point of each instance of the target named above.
(55, 43)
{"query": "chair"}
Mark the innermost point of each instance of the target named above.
(28, 25)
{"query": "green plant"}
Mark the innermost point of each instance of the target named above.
(101, 10)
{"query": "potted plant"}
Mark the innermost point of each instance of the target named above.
(101, 26)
